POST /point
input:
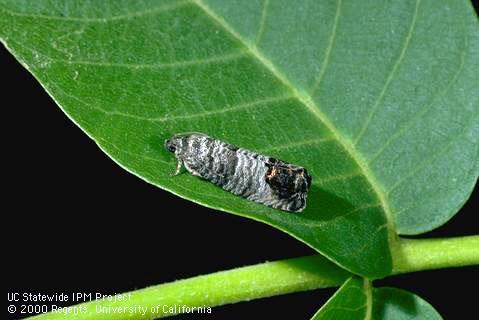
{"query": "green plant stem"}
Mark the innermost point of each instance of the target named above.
(241, 284)
(269, 279)
(425, 254)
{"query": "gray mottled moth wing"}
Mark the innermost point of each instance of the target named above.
(253, 176)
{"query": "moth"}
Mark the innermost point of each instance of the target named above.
(256, 177)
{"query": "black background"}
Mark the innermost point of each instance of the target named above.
(74, 221)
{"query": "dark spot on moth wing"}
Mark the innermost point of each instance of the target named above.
(285, 179)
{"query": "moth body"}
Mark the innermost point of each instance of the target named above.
(245, 173)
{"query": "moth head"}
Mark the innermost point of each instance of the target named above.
(172, 144)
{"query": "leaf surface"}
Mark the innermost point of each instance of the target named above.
(396, 304)
(352, 301)
(377, 101)
(356, 299)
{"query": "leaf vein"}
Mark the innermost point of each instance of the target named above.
(425, 110)
(329, 49)
(368, 291)
(262, 24)
(149, 11)
(390, 77)
(238, 107)
(176, 64)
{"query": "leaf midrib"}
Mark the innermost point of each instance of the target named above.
(313, 108)
(368, 288)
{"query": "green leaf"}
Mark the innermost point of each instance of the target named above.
(350, 302)
(357, 300)
(395, 304)
(377, 100)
